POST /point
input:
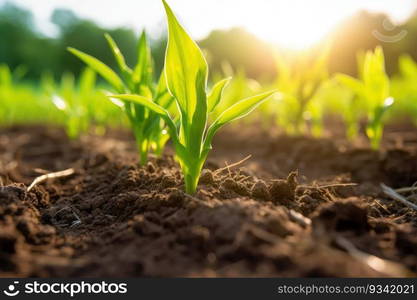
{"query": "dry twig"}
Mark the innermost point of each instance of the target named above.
(44, 177)
(227, 167)
(394, 195)
(326, 186)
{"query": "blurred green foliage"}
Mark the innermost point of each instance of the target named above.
(373, 89)
(22, 44)
(37, 75)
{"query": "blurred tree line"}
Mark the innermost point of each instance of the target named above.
(22, 44)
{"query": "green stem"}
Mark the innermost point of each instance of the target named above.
(191, 183)
(191, 171)
(142, 145)
(143, 152)
(374, 134)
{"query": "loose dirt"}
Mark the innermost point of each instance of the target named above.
(298, 207)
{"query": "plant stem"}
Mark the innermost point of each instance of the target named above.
(143, 152)
(191, 171)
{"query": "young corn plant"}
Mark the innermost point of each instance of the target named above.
(186, 74)
(299, 79)
(74, 102)
(373, 87)
(147, 125)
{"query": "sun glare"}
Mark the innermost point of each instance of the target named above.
(296, 24)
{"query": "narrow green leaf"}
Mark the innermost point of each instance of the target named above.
(87, 81)
(162, 95)
(117, 54)
(102, 69)
(216, 94)
(242, 108)
(199, 119)
(146, 102)
(184, 66)
(142, 72)
(236, 111)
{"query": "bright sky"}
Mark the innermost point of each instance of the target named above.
(292, 23)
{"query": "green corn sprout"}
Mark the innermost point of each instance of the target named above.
(72, 102)
(186, 74)
(299, 79)
(373, 87)
(148, 128)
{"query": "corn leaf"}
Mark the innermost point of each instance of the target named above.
(117, 54)
(185, 67)
(242, 108)
(162, 95)
(102, 69)
(87, 81)
(236, 111)
(146, 102)
(216, 93)
(143, 69)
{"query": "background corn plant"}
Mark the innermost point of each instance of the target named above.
(298, 81)
(148, 127)
(373, 88)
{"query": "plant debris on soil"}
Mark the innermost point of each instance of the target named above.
(298, 207)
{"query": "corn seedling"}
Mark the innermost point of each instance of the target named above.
(373, 88)
(186, 73)
(148, 127)
(70, 101)
(298, 81)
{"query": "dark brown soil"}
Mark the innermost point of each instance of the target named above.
(290, 210)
